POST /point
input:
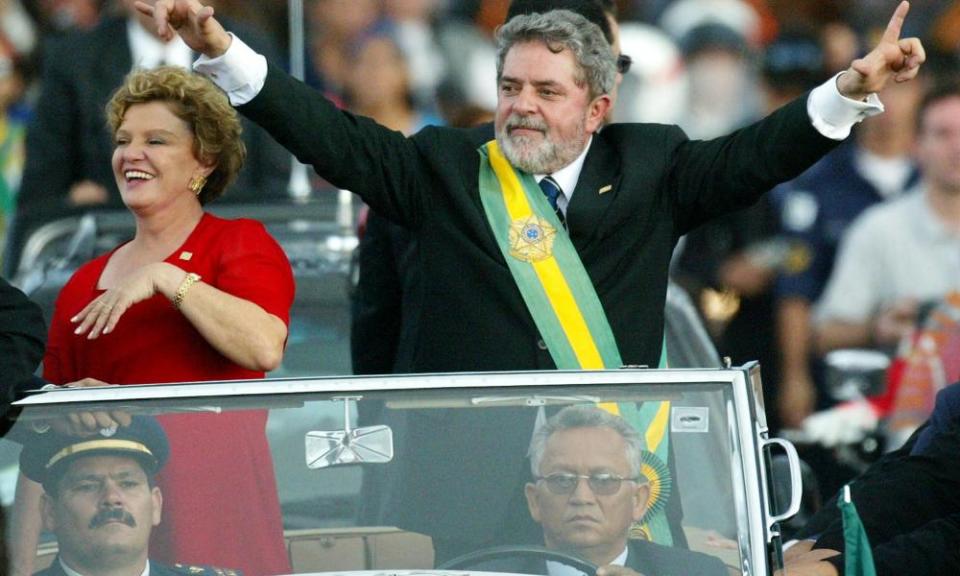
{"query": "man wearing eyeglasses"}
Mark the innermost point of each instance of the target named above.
(587, 492)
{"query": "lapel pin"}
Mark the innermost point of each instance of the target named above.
(186, 256)
(605, 189)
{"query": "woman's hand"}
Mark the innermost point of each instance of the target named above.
(102, 314)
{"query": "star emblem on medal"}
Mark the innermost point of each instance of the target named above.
(531, 239)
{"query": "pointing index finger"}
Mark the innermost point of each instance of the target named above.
(892, 33)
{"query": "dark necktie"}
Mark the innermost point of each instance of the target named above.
(552, 191)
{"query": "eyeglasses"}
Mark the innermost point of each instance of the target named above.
(623, 63)
(564, 484)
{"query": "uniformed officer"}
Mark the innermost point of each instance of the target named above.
(100, 499)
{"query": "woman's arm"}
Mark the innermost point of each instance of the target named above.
(239, 329)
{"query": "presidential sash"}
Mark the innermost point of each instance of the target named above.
(566, 309)
(546, 267)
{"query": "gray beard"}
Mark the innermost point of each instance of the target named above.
(545, 158)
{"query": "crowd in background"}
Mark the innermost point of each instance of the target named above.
(710, 66)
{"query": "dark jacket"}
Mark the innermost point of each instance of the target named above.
(644, 557)
(473, 317)
(156, 569)
(23, 335)
(908, 501)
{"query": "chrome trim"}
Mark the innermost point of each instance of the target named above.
(344, 385)
(754, 473)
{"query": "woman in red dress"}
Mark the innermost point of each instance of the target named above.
(192, 297)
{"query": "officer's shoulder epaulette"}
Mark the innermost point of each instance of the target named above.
(195, 570)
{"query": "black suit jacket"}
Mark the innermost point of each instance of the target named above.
(909, 501)
(68, 140)
(472, 315)
(644, 557)
(23, 335)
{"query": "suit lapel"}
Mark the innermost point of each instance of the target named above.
(596, 190)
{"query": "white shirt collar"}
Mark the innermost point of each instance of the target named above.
(560, 569)
(148, 51)
(568, 176)
(71, 572)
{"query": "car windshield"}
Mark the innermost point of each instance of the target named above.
(415, 472)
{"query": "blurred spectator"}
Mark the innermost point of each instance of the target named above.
(722, 82)
(17, 29)
(14, 115)
(815, 211)
(68, 146)
(683, 16)
(655, 88)
(841, 44)
(413, 21)
(467, 42)
(334, 27)
(56, 17)
(906, 251)
(379, 85)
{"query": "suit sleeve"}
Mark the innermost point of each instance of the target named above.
(266, 171)
(904, 493)
(932, 550)
(22, 337)
(351, 152)
(713, 177)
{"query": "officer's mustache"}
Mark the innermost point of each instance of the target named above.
(112, 515)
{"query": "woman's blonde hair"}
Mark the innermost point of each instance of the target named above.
(196, 101)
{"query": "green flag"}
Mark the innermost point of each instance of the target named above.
(858, 557)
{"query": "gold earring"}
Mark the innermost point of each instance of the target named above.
(196, 184)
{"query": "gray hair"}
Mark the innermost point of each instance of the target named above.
(564, 30)
(586, 416)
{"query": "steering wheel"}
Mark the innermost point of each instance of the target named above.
(535, 552)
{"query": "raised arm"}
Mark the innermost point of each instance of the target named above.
(892, 58)
(349, 151)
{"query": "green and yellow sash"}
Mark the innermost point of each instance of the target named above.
(565, 307)
(546, 267)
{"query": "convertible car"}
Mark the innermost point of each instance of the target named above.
(331, 439)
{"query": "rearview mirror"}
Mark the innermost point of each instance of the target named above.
(369, 444)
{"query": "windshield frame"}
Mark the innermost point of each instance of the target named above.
(745, 427)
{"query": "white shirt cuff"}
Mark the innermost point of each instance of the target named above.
(833, 114)
(239, 72)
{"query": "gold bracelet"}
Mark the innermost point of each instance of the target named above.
(189, 281)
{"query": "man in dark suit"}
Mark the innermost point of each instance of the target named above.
(68, 148)
(100, 499)
(628, 193)
(587, 492)
(389, 290)
(908, 502)
(23, 335)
